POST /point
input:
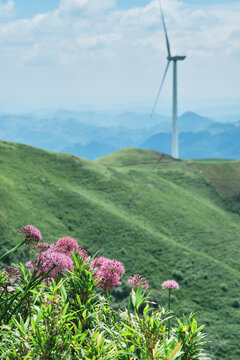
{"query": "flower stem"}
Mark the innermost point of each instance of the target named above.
(108, 296)
(12, 250)
(169, 309)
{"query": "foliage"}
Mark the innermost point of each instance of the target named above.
(161, 217)
(72, 319)
(18, 301)
(190, 337)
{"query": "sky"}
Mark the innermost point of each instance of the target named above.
(110, 54)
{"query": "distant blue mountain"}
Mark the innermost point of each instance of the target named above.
(199, 145)
(217, 127)
(91, 135)
(190, 121)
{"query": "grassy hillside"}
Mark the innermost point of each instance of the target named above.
(161, 217)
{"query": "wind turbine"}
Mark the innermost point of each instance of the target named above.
(174, 59)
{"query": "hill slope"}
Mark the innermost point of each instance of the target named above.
(161, 217)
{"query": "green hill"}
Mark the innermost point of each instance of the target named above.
(163, 218)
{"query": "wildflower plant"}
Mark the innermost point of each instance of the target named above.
(138, 280)
(53, 263)
(31, 236)
(108, 273)
(169, 284)
(60, 308)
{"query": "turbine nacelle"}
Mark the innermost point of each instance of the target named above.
(176, 58)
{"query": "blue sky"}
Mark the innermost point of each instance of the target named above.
(28, 8)
(69, 53)
(31, 7)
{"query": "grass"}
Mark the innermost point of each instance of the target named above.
(163, 218)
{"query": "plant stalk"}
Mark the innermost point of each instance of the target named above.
(169, 309)
(12, 250)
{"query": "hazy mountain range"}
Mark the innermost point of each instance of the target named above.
(92, 135)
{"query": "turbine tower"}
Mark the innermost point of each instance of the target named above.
(174, 59)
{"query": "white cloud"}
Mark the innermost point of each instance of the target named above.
(7, 9)
(96, 39)
(191, 30)
(87, 5)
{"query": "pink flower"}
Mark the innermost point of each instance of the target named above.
(48, 259)
(65, 245)
(12, 275)
(107, 280)
(9, 288)
(170, 284)
(32, 234)
(108, 272)
(136, 280)
(97, 263)
(41, 247)
(83, 254)
(31, 264)
(113, 267)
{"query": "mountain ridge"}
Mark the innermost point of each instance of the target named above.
(93, 135)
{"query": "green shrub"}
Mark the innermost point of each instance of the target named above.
(236, 304)
(69, 316)
(178, 275)
(224, 287)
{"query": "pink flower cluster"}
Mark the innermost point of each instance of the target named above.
(170, 284)
(83, 254)
(136, 280)
(65, 245)
(31, 233)
(57, 256)
(41, 247)
(108, 272)
(48, 259)
(11, 276)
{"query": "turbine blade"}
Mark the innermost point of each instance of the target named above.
(165, 29)
(160, 88)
